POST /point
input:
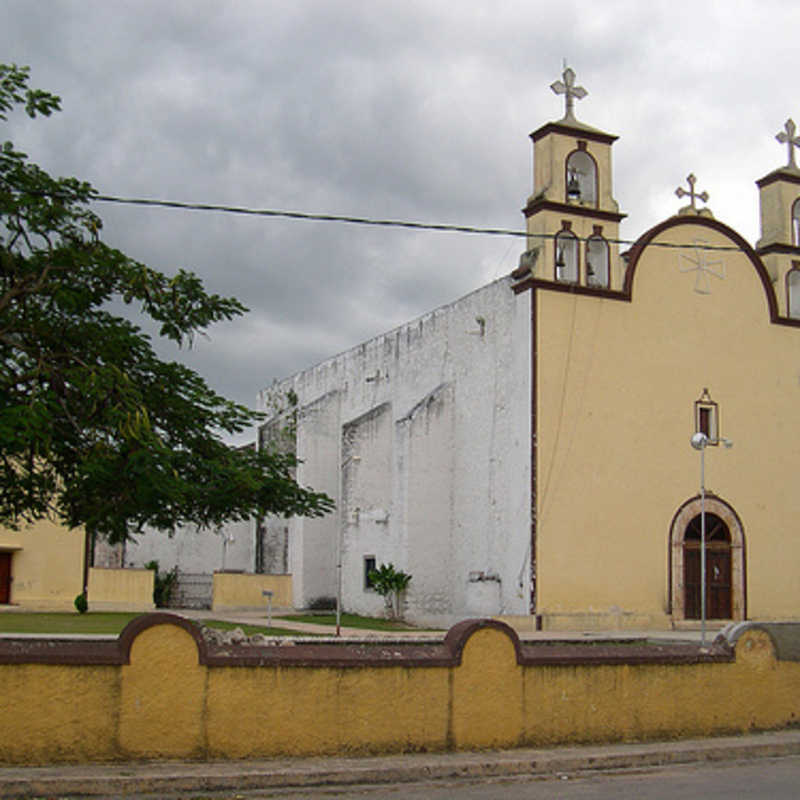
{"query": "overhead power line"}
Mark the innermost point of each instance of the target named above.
(266, 212)
(381, 223)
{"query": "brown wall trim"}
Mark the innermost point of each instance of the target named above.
(356, 655)
(576, 131)
(534, 565)
(788, 321)
(570, 288)
(778, 175)
(778, 248)
(535, 206)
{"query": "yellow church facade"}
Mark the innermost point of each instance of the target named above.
(691, 329)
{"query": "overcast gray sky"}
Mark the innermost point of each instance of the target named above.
(408, 110)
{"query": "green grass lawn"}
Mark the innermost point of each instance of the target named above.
(103, 623)
(353, 621)
(63, 622)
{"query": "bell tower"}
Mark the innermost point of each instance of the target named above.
(779, 245)
(572, 217)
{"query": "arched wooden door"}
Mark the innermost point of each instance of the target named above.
(726, 594)
(719, 593)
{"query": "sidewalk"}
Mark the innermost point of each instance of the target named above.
(171, 777)
(282, 618)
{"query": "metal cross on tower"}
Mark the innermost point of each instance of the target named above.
(691, 194)
(788, 138)
(567, 87)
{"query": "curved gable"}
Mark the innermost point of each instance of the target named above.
(639, 248)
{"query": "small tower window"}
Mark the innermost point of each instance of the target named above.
(566, 255)
(581, 177)
(796, 223)
(597, 259)
(706, 417)
(793, 290)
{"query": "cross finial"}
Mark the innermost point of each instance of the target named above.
(567, 87)
(788, 138)
(691, 194)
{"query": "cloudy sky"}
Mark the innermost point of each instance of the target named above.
(416, 110)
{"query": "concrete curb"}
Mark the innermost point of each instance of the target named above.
(169, 777)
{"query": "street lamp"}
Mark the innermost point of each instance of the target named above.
(700, 441)
(339, 532)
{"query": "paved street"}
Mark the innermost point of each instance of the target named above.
(764, 765)
(770, 779)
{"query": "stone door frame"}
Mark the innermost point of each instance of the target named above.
(680, 522)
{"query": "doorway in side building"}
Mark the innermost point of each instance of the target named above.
(5, 578)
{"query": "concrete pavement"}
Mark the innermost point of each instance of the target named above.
(259, 617)
(172, 777)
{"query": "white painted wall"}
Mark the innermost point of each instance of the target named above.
(432, 424)
(195, 550)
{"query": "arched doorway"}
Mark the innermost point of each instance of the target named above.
(719, 600)
(725, 562)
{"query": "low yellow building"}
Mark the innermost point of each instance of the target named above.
(41, 566)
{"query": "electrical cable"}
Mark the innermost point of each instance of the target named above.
(356, 220)
(384, 223)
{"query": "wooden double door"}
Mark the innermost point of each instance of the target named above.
(719, 589)
(5, 578)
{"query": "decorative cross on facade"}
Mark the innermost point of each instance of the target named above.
(788, 138)
(567, 87)
(694, 196)
(702, 266)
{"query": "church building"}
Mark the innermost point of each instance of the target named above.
(525, 451)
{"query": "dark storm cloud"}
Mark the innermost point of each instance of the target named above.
(415, 110)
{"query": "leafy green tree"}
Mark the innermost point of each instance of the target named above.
(96, 430)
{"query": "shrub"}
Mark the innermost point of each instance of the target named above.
(81, 603)
(163, 584)
(390, 584)
(322, 604)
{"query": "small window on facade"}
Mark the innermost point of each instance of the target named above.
(369, 566)
(581, 178)
(796, 223)
(706, 417)
(566, 256)
(793, 290)
(597, 259)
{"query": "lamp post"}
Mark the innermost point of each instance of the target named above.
(339, 532)
(700, 441)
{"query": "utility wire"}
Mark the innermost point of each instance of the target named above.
(352, 220)
(382, 223)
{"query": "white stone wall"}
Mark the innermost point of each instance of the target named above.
(195, 550)
(431, 423)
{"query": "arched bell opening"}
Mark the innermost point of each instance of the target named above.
(567, 254)
(581, 177)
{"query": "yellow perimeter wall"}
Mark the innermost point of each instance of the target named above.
(171, 695)
(121, 589)
(46, 565)
(233, 591)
